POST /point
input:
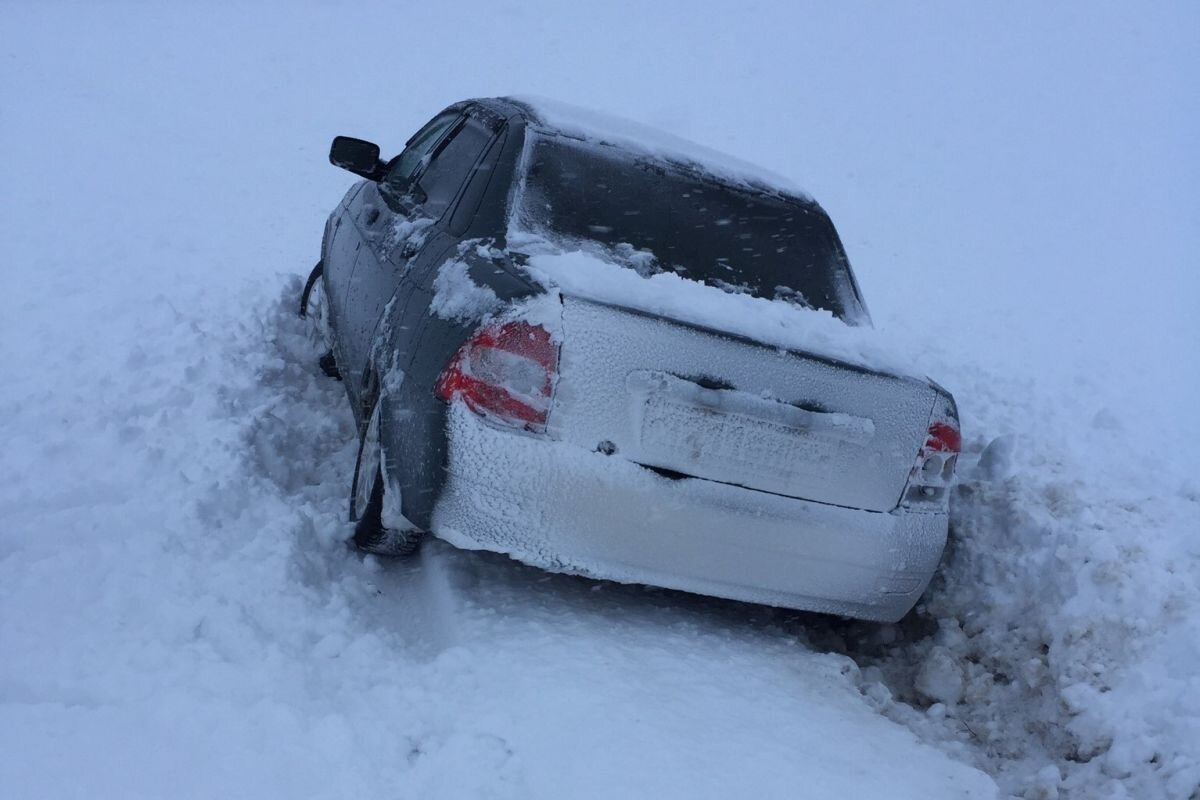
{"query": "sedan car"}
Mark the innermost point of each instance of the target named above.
(563, 339)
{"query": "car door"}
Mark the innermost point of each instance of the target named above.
(437, 189)
(339, 255)
(403, 220)
(415, 343)
(388, 233)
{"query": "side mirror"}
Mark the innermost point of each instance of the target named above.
(357, 156)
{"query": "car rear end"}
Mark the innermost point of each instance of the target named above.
(621, 437)
(635, 448)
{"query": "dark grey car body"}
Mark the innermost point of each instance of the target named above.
(379, 286)
(454, 194)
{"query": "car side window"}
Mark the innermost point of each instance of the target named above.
(451, 165)
(408, 164)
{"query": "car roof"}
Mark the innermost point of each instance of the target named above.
(553, 118)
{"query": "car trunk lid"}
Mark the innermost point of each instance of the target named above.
(692, 402)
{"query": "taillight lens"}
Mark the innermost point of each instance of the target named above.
(934, 471)
(944, 438)
(505, 372)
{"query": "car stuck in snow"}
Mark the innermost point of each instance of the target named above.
(604, 351)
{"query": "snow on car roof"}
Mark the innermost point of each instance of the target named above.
(587, 124)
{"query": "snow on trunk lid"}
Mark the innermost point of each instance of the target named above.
(686, 400)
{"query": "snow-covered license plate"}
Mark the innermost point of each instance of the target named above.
(737, 437)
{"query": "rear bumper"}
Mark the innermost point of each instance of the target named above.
(560, 507)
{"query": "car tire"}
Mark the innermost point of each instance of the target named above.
(371, 537)
(313, 278)
(366, 504)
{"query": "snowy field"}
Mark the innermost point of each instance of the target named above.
(180, 617)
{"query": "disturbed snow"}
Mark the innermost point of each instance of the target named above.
(1060, 637)
(225, 636)
(228, 619)
(225, 623)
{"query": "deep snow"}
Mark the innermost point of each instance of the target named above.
(228, 642)
(1016, 188)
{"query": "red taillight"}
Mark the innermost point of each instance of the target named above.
(944, 438)
(505, 372)
(933, 473)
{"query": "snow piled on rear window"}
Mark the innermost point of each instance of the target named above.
(584, 123)
(667, 294)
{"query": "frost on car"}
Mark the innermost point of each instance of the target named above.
(605, 351)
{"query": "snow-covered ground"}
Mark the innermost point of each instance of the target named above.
(179, 616)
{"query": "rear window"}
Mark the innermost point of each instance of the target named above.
(654, 216)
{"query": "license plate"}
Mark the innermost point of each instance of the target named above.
(738, 437)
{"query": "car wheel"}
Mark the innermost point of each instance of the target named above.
(366, 503)
(307, 301)
(312, 309)
(319, 328)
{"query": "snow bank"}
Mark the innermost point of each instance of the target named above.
(774, 322)
(1063, 628)
(198, 627)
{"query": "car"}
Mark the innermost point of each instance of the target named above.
(604, 351)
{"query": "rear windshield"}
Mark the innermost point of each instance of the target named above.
(654, 216)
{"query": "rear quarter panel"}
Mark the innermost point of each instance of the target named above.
(417, 344)
(421, 344)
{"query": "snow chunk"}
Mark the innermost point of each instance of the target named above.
(457, 297)
(407, 232)
(941, 677)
